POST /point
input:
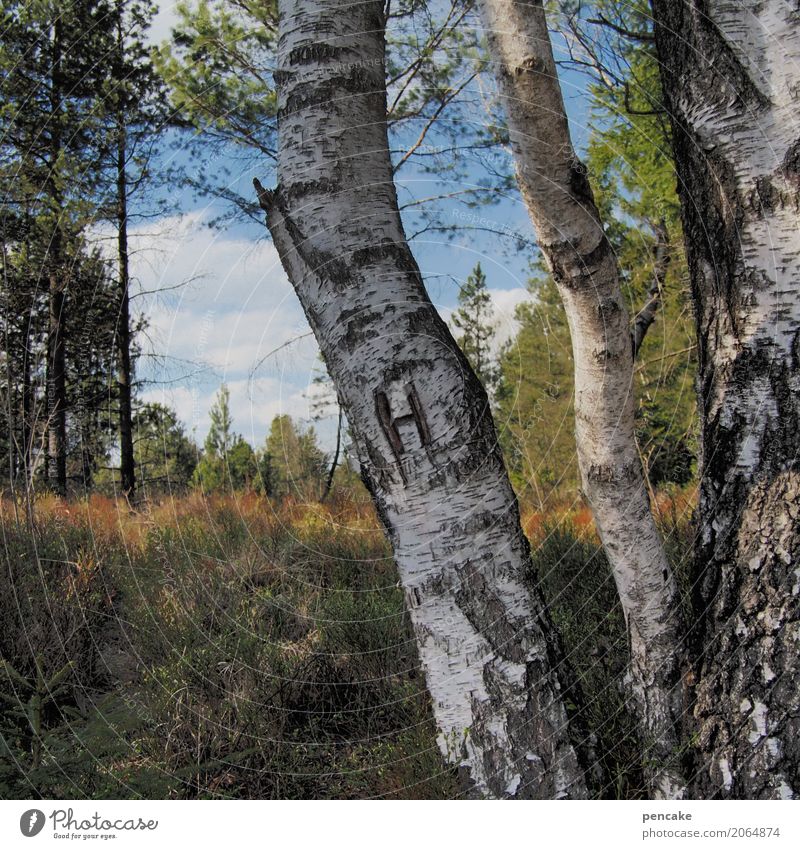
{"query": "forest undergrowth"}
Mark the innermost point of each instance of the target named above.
(230, 646)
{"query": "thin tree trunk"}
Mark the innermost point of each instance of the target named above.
(56, 387)
(419, 417)
(556, 191)
(28, 415)
(26, 410)
(127, 465)
(11, 423)
(56, 366)
(647, 314)
(731, 74)
(335, 461)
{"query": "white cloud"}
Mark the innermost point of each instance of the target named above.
(232, 307)
(505, 302)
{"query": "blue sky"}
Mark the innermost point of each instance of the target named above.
(236, 304)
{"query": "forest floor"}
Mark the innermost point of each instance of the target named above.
(229, 647)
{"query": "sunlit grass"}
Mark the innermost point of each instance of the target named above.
(235, 646)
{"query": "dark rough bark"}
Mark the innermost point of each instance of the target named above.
(26, 411)
(419, 417)
(731, 79)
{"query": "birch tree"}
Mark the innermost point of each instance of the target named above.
(558, 196)
(419, 417)
(731, 74)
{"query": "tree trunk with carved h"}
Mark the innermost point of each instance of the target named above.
(419, 418)
(731, 78)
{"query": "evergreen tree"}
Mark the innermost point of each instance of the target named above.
(297, 466)
(24, 335)
(136, 113)
(220, 436)
(51, 73)
(474, 319)
(89, 330)
(228, 461)
(165, 456)
(535, 413)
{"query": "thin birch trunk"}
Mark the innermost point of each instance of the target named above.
(556, 191)
(420, 419)
(731, 75)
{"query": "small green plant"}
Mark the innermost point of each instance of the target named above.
(52, 748)
(30, 702)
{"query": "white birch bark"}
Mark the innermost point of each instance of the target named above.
(419, 417)
(556, 191)
(731, 73)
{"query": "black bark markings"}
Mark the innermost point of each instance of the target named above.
(739, 580)
(572, 268)
(790, 167)
(359, 80)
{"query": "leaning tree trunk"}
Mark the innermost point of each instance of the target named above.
(556, 191)
(419, 418)
(731, 73)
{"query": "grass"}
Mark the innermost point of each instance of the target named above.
(230, 647)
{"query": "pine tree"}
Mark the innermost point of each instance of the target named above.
(220, 436)
(89, 330)
(535, 389)
(136, 113)
(228, 462)
(51, 72)
(474, 319)
(165, 457)
(297, 466)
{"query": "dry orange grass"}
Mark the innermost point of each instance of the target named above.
(349, 520)
(669, 508)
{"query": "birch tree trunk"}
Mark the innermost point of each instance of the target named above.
(420, 419)
(731, 73)
(556, 190)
